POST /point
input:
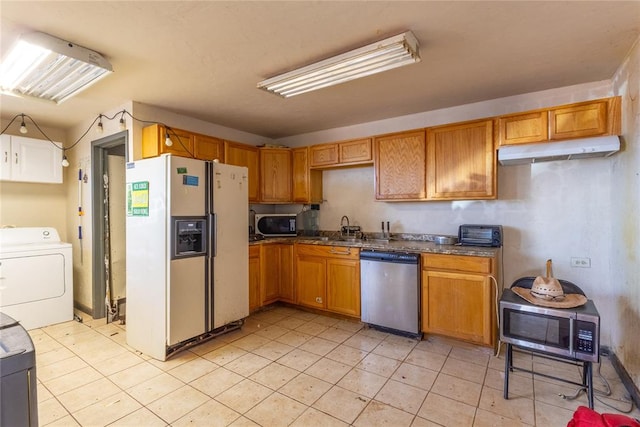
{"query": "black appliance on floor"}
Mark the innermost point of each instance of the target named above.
(570, 335)
(18, 399)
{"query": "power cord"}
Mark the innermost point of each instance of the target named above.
(627, 398)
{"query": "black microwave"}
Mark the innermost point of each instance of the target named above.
(566, 332)
(480, 235)
(276, 224)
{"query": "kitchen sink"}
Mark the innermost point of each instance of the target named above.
(379, 241)
(321, 238)
(348, 239)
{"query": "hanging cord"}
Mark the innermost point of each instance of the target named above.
(597, 392)
(99, 118)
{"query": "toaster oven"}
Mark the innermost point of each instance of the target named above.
(480, 235)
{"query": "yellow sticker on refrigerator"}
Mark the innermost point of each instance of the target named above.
(138, 198)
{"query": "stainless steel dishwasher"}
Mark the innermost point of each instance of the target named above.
(390, 291)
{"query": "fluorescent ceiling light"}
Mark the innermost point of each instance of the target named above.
(380, 56)
(46, 67)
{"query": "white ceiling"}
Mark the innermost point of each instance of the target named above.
(203, 58)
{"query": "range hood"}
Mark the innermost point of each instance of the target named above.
(602, 146)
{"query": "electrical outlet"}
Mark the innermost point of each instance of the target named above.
(581, 262)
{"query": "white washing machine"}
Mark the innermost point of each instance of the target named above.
(36, 276)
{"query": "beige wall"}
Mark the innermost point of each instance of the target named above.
(584, 208)
(623, 300)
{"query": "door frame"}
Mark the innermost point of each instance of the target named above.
(99, 152)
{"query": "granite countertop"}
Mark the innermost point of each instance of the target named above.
(408, 245)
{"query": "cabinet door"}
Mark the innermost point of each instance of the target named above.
(35, 160)
(208, 147)
(275, 175)
(579, 120)
(523, 128)
(311, 281)
(343, 286)
(270, 273)
(324, 155)
(457, 305)
(254, 278)
(154, 137)
(306, 182)
(244, 155)
(287, 289)
(461, 162)
(358, 151)
(399, 161)
(6, 159)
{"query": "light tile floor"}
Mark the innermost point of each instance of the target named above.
(290, 367)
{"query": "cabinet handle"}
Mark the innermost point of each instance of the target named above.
(16, 158)
(347, 252)
(6, 157)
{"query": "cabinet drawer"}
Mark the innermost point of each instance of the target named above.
(328, 251)
(457, 263)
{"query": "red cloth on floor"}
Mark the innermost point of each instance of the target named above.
(585, 417)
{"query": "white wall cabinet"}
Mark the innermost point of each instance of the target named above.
(30, 160)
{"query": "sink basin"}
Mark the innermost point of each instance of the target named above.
(322, 238)
(348, 239)
(378, 240)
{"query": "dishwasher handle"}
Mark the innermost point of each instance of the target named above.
(393, 257)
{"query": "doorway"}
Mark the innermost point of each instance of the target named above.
(108, 161)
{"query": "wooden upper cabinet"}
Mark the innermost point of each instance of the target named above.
(275, 175)
(461, 161)
(399, 161)
(208, 147)
(592, 118)
(353, 152)
(338, 154)
(583, 119)
(324, 155)
(153, 141)
(244, 155)
(523, 128)
(306, 182)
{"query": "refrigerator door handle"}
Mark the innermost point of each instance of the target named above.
(213, 234)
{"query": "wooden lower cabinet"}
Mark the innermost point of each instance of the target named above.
(343, 286)
(458, 297)
(254, 278)
(276, 273)
(328, 278)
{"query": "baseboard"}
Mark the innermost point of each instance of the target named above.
(83, 308)
(623, 374)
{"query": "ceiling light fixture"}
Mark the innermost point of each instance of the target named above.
(123, 125)
(23, 127)
(46, 67)
(374, 58)
(100, 128)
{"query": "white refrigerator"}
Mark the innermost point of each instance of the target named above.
(187, 252)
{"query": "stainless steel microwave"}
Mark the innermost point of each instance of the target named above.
(276, 224)
(572, 333)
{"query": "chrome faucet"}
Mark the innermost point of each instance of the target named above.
(342, 225)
